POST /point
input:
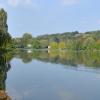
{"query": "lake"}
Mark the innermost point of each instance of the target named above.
(50, 75)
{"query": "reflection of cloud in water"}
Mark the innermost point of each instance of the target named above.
(67, 95)
(19, 95)
(40, 93)
(14, 94)
(24, 94)
(97, 77)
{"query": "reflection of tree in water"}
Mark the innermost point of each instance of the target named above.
(24, 55)
(4, 68)
(71, 58)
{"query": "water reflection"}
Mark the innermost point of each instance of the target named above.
(47, 81)
(71, 58)
(81, 61)
(4, 68)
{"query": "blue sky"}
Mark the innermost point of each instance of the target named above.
(51, 16)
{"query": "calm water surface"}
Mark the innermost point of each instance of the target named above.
(52, 75)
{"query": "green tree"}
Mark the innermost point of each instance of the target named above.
(27, 39)
(71, 44)
(62, 45)
(44, 43)
(97, 45)
(36, 44)
(89, 43)
(5, 38)
(54, 45)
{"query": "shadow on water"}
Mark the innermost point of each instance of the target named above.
(5, 66)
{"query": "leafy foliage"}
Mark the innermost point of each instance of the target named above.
(67, 40)
(5, 38)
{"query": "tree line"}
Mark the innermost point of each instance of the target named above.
(62, 41)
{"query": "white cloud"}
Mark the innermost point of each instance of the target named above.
(28, 4)
(16, 3)
(69, 2)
